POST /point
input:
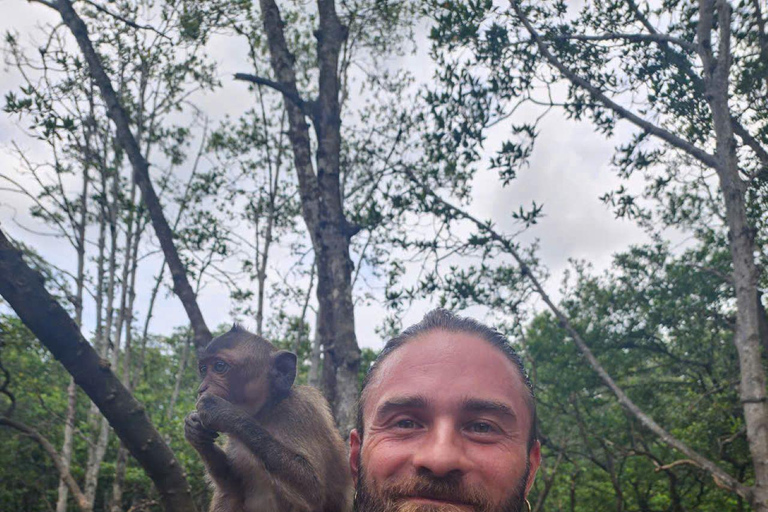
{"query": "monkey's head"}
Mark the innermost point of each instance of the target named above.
(246, 370)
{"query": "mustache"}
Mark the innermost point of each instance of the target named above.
(449, 489)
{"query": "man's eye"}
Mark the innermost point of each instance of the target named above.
(481, 427)
(220, 367)
(407, 424)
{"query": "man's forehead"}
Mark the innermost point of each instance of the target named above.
(441, 360)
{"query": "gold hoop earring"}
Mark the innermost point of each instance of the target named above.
(528, 504)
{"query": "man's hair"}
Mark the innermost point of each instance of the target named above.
(440, 319)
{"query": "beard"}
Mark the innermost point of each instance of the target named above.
(452, 488)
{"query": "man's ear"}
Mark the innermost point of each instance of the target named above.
(534, 459)
(282, 373)
(355, 444)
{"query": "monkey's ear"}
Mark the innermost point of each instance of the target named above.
(282, 373)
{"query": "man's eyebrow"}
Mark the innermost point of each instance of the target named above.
(402, 402)
(480, 405)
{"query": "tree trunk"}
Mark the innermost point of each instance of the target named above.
(116, 501)
(98, 422)
(69, 426)
(66, 448)
(273, 180)
(742, 242)
(126, 315)
(300, 340)
(179, 378)
(23, 289)
(321, 201)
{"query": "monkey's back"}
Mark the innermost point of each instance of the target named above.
(303, 423)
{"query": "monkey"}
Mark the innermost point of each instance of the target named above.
(283, 452)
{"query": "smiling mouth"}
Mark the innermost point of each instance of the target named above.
(436, 501)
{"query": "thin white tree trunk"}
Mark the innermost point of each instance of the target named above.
(116, 500)
(69, 425)
(273, 177)
(179, 376)
(300, 338)
(98, 448)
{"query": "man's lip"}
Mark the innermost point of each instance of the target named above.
(425, 499)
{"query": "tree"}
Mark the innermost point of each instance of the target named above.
(695, 93)
(661, 325)
(321, 192)
(312, 79)
(129, 144)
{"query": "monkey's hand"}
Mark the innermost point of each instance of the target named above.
(198, 435)
(217, 414)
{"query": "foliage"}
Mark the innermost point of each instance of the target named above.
(39, 384)
(660, 326)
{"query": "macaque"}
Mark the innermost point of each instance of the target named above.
(283, 453)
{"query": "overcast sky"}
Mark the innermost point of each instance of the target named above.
(569, 170)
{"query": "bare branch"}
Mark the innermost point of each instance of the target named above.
(282, 60)
(47, 4)
(125, 20)
(289, 93)
(80, 499)
(752, 143)
(706, 158)
(632, 38)
(673, 464)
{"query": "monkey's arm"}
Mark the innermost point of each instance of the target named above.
(217, 414)
(202, 439)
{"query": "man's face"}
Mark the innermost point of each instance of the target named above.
(446, 428)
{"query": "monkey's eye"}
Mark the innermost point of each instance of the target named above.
(220, 367)
(202, 369)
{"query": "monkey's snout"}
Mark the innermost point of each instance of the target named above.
(202, 389)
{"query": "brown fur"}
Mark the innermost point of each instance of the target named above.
(281, 455)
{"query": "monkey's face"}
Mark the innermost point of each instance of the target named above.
(233, 375)
(216, 371)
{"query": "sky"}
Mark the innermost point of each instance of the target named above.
(569, 170)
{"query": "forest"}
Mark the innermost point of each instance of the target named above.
(323, 172)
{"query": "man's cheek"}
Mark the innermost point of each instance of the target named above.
(384, 458)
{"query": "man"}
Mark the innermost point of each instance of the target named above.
(446, 423)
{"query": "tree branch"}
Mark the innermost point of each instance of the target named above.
(632, 38)
(752, 143)
(668, 137)
(47, 4)
(125, 20)
(80, 499)
(288, 92)
(282, 61)
(738, 128)
(23, 288)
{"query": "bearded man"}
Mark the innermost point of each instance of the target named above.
(446, 423)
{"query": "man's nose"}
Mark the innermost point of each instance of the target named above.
(442, 451)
